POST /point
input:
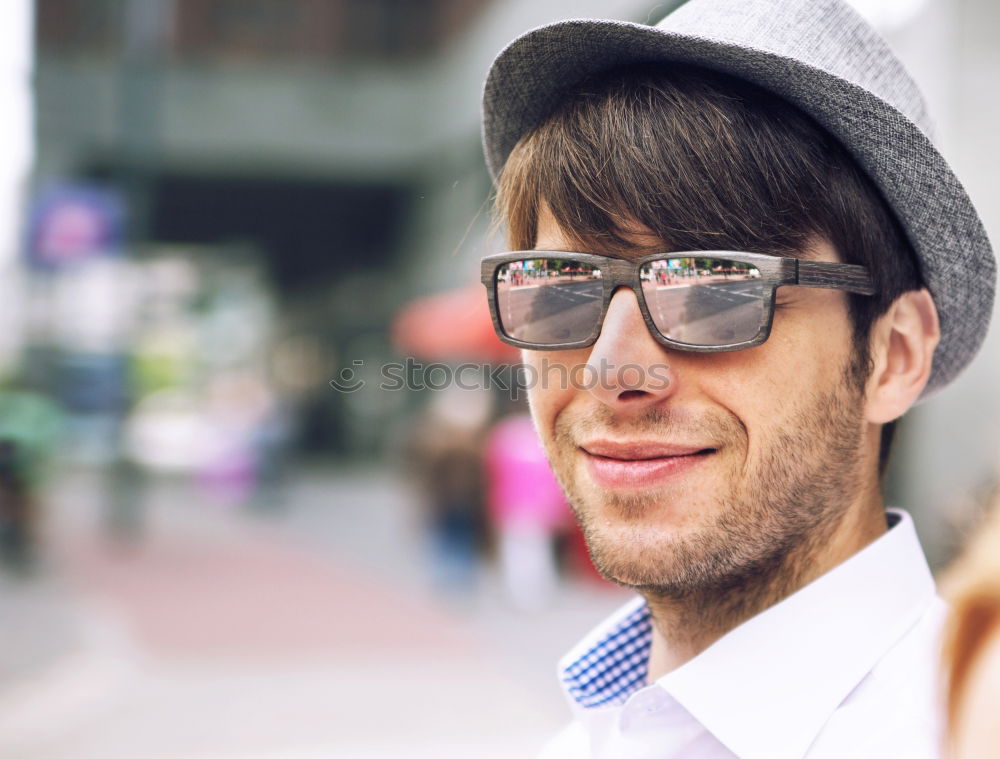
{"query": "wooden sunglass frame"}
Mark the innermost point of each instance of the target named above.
(775, 271)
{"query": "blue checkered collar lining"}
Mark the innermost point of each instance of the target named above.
(613, 664)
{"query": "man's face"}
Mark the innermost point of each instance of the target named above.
(704, 469)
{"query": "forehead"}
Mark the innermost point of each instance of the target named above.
(551, 235)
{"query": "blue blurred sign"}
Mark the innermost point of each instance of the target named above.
(75, 222)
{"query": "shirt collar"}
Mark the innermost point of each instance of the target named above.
(611, 662)
(800, 657)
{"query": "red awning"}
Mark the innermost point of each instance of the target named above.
(451, 326)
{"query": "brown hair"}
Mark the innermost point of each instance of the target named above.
(704, 161)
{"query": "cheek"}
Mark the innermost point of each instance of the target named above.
(550, 387)
(766, 387)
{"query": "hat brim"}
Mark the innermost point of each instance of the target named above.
(956, 259)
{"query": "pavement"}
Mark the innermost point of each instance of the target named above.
(305, 628)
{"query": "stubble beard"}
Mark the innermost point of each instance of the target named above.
(764, 528)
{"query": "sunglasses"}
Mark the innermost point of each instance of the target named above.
(702, 301)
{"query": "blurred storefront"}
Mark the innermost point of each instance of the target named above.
(288, 142)
(328, 150)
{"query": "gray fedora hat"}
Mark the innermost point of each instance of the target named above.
(819, 55)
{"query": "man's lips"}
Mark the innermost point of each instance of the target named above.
(639, 450)
(639, 464)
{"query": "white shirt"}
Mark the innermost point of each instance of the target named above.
(844, 668)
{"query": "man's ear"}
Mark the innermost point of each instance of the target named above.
(902, 349)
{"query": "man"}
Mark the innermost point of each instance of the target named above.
(744, 260)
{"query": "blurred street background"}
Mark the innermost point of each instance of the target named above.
(226, 529)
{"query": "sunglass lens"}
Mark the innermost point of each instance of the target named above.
(546, 301)
(704, 301)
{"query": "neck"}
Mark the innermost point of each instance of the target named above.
(684, 626)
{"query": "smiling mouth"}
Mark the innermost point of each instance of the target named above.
(640, 465)
(639, 450)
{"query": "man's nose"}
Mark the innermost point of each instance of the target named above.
(630, 366)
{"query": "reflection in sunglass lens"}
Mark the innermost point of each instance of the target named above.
(704, 301)
(548, 300)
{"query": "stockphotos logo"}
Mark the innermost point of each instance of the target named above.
(514, 379)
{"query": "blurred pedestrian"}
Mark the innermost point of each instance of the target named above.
(29, 429)
(17, 515)
(444, 456)
(725, 458)
(528, 512)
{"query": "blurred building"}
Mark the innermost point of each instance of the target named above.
(337, 141)
(332, 142)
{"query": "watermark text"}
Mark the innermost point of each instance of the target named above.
(515, 379)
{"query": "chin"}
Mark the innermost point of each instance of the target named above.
(631, 538)
(664, 512)
(664, 541)
(635, 561)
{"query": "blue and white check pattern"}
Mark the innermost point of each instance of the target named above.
(613, 667)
